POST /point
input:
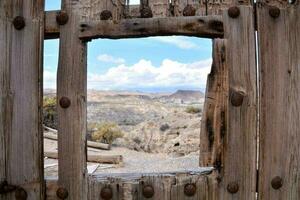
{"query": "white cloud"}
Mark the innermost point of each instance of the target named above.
(49, 79)
(110, 59)
(179, 41)
(144, 75)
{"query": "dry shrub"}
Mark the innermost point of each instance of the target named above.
(193, 110)
(50, 112)
(105, 132)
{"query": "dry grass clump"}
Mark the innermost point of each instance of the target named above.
(193, 110)
(50, 112)
(105, 132)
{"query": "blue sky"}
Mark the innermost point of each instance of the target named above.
(155, 64)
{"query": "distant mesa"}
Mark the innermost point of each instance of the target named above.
(184, 96)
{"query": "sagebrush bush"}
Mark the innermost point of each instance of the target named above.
(105, 132)
(193, 110)
(50, 112)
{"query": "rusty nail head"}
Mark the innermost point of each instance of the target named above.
(233, 187)
(148, 191)
(20, 194)
(106, 193)
(237, 98)
(190, 189)
(19, 22)
(276, 182)
(62, 193)
(189, 11)
(274, 12)
(62, 18)
(64, 102)
(105, 15)
(234, 12)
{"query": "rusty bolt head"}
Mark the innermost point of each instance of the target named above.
(62, 193)
(189, 11)
(190, 189)
(148, 191)
(233, 187)
(19, 22)
(106, 193)
(146, 12)
(64, 102)
(105, 15)
(20, 194)
(62, 18)
(274, 12)
(234, 12)
(276, 182)
(237, 98)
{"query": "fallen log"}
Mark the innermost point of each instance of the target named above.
(104, 159)
(52, 135)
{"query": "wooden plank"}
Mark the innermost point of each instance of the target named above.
(279, 53)
(213, 122)
(209, 27)
(71, 84)
(21, 137)
(51, 26)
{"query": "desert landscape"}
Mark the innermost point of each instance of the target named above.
(160, 130)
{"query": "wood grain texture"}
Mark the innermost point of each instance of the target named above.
(21, 141)
(213, 122)
(279, 52)
(71, 83)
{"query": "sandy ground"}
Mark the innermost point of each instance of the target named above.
(133, 162)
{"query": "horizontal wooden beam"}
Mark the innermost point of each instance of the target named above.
(199, 26)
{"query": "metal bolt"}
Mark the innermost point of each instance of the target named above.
(105, 15)
(106, 193)
(62, 193)
(148, 191)
(233, 187)
(234, 12)
(62, 18)
(276, 182)
(146, 12)
(20, 194)
(19, 22)
(189, 11)
(190, 189)
(237, 98)
(64, 102)
(274, 12)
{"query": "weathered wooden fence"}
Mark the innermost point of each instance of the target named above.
(250, 127)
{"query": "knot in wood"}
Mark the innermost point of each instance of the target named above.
(106, 193)
(216, 25)
(190, 189)
(189, 11)
(20, 194)
(19, 22)
(62, 193)
(274, 12)
(146, 12)
(233, 187)
(64, 102)
(62, 18)
(234, 12)
(148, 191)
(105, 15)
(237, 98)
(276, 182)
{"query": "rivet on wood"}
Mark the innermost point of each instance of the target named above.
(148, 191)
(64, 102)
(233, 187)
(20, 194)
(105, 15)
(62, 193)
(19, 22)
(274, 12)
(146, 12)
(62, 18)
(190, 189)
(237, 98)
(276, 182)
(189, 11)
(234, 12)
(106, 193)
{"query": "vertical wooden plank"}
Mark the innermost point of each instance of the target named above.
(71, 84)
(239, 167)
(279, 53)
(213, 123)
(20, 97)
